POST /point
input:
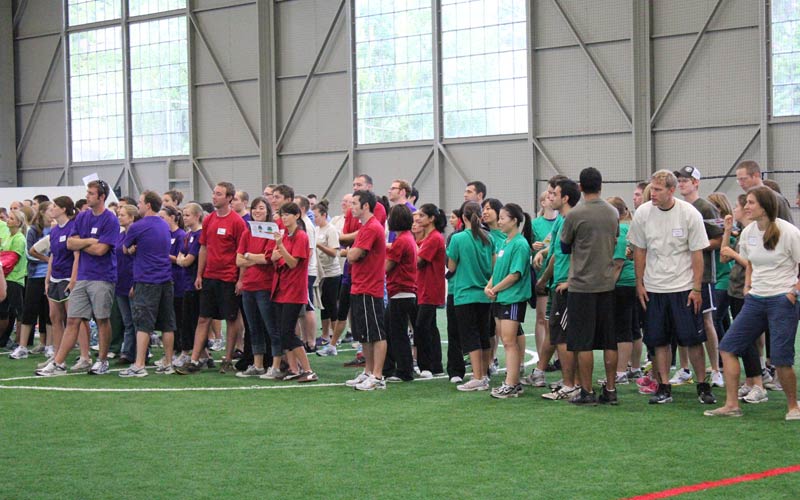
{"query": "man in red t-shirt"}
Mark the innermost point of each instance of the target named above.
(367, 259)
(217, 275)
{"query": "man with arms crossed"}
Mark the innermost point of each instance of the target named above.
(669, 238)
(95, 234)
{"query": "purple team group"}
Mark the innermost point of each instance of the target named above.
(692, 280)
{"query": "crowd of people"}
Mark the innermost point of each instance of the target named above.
(669, 284)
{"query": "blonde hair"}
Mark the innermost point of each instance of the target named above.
(646, 193)
(665, 176)
(197, 210)
(720, 200)
(131, 210)
(21, 220)
(621, 206)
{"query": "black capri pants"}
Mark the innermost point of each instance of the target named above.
(36, 307)
(329, 291)
(287, 315)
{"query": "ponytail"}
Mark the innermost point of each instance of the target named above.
(515, 212)
(437, 214)
(471, 211)
(768, 200)
(771, 235)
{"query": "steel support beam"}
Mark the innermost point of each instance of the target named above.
(199, 169)
(738, 158)
(688, 58)
(538, 145)
(438, 125)
(424, 166)
(309, 76)
(19, 13)
(23, 140)
(765, 83)
(273, 92)
(351, 75)
(224, 78)
(451, 162)
(344, 163)
(643, 151)
(532, 97)
(594, 63)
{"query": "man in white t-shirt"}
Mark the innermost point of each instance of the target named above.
(669, 238)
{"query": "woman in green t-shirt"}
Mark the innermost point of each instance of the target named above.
(491, 212)
(722, 315)
(509, 289)
(17, 225)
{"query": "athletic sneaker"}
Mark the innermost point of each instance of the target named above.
(394, 379)
(704, 394)
(181, 360)
(558, 384)
(793, 414)
(756, 395)
(644, 380)
(52, 370)
(225, 367)
(766, 376)
(321, 341)
(453, 380)
(208, 362)
(217, 345)
(39, 349)
(716, 379)
(81, 366)
(132, 371)
(494, 367)
(584, 399)
(312, 377)
(681, 377)
(563, 392)
(327, 350)
(371, 383)
(272, 374)
(608, 397)
(21, 352)
(535, 379)
(251, 371)
(355, 381)
(723, 412)
(165, 370)
(190, 368)
(650, 388)
(356, 362)
(775, 385)
(634, 373)
(45, 362)
(663, 395)
(425, 374)
(743, 391)
(99, 368)
(49, 351)
(504, 392)
(619, 379)
(474, 385)
(291, 376)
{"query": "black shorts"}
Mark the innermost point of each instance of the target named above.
(343, 308)
(310, 305)
(218, 300)
(513, 312)
(35, 308)
(707, 291)
(57, 292)
(558, 317)
(668, 312)
(591, 322)
(625, 313)
(153, 308)
(14, 299)
(366, 322)
(473, 326)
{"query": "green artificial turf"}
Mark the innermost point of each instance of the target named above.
(414, 440)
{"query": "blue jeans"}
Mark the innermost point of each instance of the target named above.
(759, 313)
(129, 338)
(261, 318)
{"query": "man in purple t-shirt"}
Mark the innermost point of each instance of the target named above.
(149, 240)
(94, 235)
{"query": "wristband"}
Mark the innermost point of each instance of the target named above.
(696, 290)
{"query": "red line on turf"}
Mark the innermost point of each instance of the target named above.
(681, 490)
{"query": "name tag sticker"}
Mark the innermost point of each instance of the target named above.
(94, 230)
(500, 253)
(172, 241)
(191, 239)
(677, 232)
(62, 238)
(221, 231)
(752, 240)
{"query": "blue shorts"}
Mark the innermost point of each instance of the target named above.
(759, 313)
(668, 314)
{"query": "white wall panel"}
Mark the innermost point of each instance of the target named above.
(220, 129)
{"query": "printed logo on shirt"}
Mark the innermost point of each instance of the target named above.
(63, 238)
(172, 241)
(752, 240)
(94, 230)
(222, 231)
(678, 232)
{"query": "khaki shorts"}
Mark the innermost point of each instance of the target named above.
(91, 298)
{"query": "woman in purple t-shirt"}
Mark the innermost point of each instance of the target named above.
(187, 259)
(127, 214)
(174, 218)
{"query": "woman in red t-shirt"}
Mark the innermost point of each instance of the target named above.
(401, 287)
(290, 290)
(253, 256)
(431, 221)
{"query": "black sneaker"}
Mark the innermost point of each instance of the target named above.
(550, 368)
(704, 394)
(189, 368)
(608, 397)
(663, 395)
(210, 363)
(358, 361)
(348, 337)
(584, 399)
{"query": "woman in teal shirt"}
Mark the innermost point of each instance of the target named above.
(510, 289)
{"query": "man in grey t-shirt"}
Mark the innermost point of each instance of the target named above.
(589, 235)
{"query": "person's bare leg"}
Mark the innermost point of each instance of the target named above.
(508, 334)
(70, 334)
(57, 316)
(477, 361)
(83, 339)
(683, 355)
(636, 354)
(585, 368)
(545, 354)
(232, 334)
(310, 329)
(142, 343)
(24, 334)
(731, 376)
(200, 337)
(367, 348)
(168, 338)
(521, 343)
(542, 338)
(104, 337)
(712, 341)
(662, 363)
(567, 365)
(624, 351)
(788, 380)
(379, 356)
(611, 362)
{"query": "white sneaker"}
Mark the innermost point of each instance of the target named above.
(775, 385)
(181, 360)
(52, 370)
(99, 368)
(21, 352)
(45, 362)
(494, 367)
(535, 379)
(165, 370)
(474, 385)
(370, 384)
(743, 391)
(426, 374)
(756, 395)
(682, 376)
(328, 350)
(456, 380)
(716, 379)
(81, 366)
(49, 351)
(132, 371)
(360, 378)
(563, 393)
